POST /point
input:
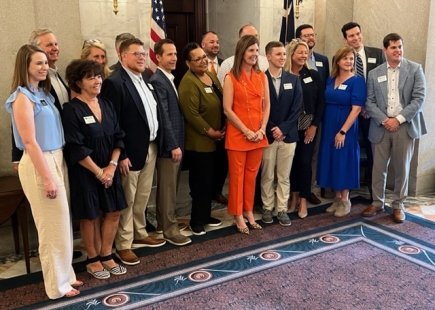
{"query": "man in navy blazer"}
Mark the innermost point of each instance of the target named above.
(172, 146)
(371, 57)
(316, 61)
(135, 102)
(285, 92)
(395, 95)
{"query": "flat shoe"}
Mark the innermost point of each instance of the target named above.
(254, 226)
(72, 293)
(117, 270)
(99, 274)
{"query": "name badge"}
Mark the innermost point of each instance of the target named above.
(150, 86)
(43, 102)
(208, 90)
(307, 80)
(371, 60)
(342, 86)
(288, 86)
(382, 78)
(89, 119)
(319, 64)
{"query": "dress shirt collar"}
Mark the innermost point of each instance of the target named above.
(169, 75)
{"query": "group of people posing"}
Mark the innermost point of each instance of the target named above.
(95, 143)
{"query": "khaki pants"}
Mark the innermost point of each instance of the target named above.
(277, 162)
(137, 187)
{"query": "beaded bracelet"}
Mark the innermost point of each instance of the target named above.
(99, 174)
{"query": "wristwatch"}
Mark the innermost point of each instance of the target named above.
(342, 132)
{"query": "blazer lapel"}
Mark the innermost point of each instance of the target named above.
(165, 78)
(403, 75)
(134, 94)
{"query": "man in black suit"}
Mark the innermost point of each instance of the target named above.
(135, 101)
(211, 47)
(171, 152)
(320, 63)
(371, 57)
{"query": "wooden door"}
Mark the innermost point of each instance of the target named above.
(185, 22)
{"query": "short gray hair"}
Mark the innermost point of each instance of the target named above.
(34, 36)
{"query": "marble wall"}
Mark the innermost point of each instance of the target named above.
(19, 18)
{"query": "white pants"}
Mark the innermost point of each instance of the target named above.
(53, 223)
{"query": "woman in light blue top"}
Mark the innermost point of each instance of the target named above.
(38, 131)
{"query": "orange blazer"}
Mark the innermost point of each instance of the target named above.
(248, 105)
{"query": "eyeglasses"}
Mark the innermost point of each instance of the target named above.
(139, 54)
(91, 42)
(309, 35)
(199, 59)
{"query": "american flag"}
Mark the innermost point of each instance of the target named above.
(158, 29)
(288, 22)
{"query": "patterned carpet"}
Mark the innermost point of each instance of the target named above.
(321, 262)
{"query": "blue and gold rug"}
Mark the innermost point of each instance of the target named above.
(317, 258)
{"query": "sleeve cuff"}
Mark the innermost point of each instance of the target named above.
(401, 119)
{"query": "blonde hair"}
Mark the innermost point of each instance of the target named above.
(86, 51)
(290, 49)
(340, 54)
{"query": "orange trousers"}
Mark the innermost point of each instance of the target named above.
(243, 167)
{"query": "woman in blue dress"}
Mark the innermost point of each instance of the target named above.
(339, 153)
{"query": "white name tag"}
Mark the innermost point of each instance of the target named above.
(382, 78)
(150, 86)
(288, 86)
(308, 80)
(208, 90)
(371, 60)
(342, 86)
(319, 64)
(89, 119)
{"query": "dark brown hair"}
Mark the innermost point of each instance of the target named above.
(79, 69)
(21, 70)
(242, 45)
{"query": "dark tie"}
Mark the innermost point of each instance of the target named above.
(359, 66)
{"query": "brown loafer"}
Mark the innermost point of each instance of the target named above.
(398, 216)
(372, 210)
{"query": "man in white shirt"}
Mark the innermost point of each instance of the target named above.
(135, 102)
(227, 64)
(370, 58)
(396, 93)
(211, 47)
(171, 152)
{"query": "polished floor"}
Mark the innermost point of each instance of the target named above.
(12, 265)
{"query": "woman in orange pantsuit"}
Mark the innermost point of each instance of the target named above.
(247, 106)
